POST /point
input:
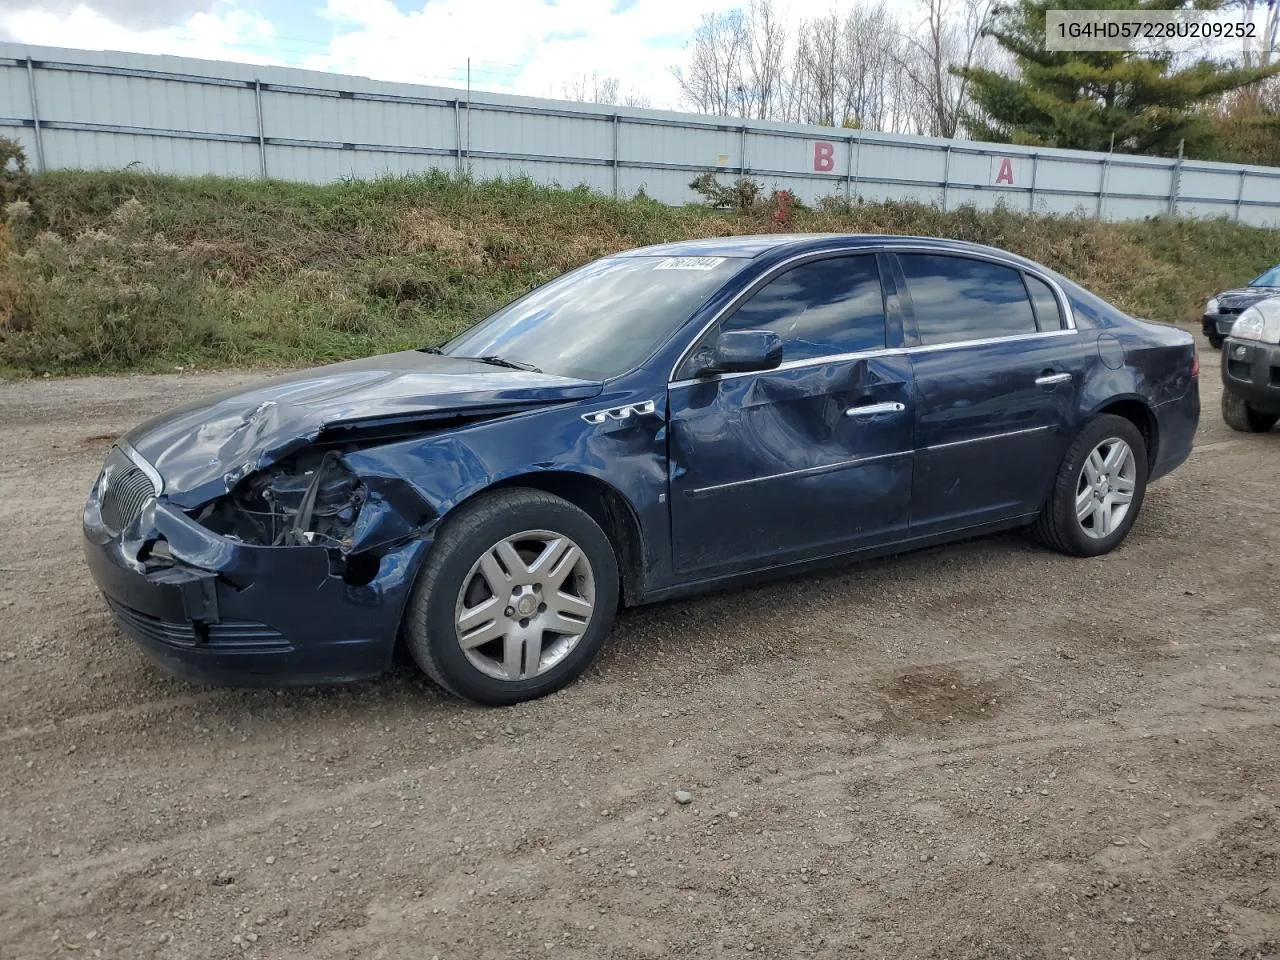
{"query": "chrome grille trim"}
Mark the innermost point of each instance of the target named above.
(125, 493)
(152, 473)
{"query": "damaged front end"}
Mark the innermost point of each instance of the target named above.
(298, 573)
(273, 534)
(313, 500)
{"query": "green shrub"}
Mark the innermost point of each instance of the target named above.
(15, 178)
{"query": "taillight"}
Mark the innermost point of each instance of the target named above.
(1195, 362)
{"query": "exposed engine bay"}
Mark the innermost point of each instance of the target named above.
(310, 499)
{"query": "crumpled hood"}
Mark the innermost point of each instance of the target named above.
(1242, 297)
(203, 449)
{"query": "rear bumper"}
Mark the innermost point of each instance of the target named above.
(1176, 423)
(1252, 370)
(231, 613)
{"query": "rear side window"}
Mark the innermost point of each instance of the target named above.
(1048, 314)
(957, 299)
(818, 309)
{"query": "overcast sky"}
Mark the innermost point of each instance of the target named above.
(516, 46)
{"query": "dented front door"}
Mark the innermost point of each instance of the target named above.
(791, 463)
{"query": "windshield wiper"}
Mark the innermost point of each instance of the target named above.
(492, 358)
(498, 361)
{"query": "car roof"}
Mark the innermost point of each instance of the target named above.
(752, 246)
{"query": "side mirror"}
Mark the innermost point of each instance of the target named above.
(740, 351)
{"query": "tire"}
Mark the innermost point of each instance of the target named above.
(1215, 340)
(1059, 525)
(466, 554)
(1240, 416)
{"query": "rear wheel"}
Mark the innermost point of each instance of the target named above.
(515, 600)
(1240, 416)
(1098, 490)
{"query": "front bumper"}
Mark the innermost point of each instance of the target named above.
(1251, 370)
(233, 613)
(1219, 324)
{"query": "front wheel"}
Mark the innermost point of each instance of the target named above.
(516, 598)
(1215, 340)
(1098, 490)
(1240, 416)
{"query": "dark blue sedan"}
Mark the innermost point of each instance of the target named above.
(663, 421)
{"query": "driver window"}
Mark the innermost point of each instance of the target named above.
(820, 308)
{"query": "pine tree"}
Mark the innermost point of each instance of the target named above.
(1081, 100)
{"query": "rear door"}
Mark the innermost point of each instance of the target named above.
(996, 373)
(811, 458)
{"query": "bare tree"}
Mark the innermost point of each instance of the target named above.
(592, 89)
(818, 64)
(765, 54)
(634, 98)
(948, 37)
(713, 82)
(871, 45)
(860, 68)
(1261, 50)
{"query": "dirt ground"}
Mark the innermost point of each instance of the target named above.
(985, 750)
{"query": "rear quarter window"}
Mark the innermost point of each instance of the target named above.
(955, 299)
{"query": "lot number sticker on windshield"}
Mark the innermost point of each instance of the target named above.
(689, 263)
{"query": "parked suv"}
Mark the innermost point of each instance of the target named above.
(1223, 310)
(1251, 369)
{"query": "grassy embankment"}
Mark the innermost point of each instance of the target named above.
(109, 272)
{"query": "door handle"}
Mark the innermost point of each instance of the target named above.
(1049, 379)
(870, 410)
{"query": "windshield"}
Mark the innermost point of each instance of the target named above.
(1269, 279)
(600, 320)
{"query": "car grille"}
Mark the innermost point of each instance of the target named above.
(127, 491)
(1230, 311)
(229, 634)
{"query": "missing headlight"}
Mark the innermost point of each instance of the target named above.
(312, 499)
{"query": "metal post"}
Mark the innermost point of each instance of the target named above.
(742, 152)
(457, 134)
(946, 177)
(1031, 203)
(1175, 181)
(35, 116)
(615, 154)
(262, 139)
(1106, 171)
(468, 111)
(848, 170)
(857, 162)
(1240, 192)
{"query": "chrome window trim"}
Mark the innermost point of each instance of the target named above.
(793, 365)
(868, 354)
(992, 436)
(152, 473)
(804, 471)
(907, 246)
(988, 341)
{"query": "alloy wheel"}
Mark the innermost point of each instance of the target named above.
(525, 604)
(1104, 490)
